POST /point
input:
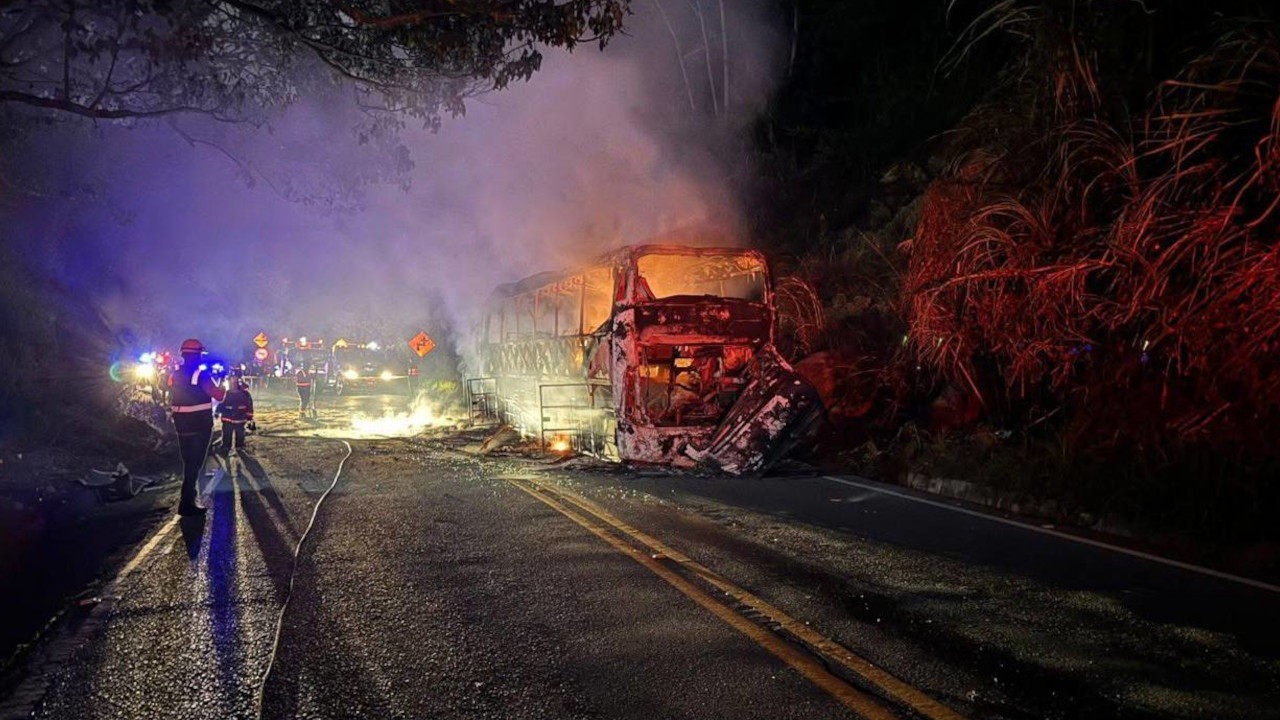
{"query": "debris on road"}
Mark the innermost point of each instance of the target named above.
(777, 411)
(502, 438)
(119, 484)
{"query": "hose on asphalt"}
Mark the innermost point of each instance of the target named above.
(293, 572)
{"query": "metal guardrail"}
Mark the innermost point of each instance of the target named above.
(586, 419)
(587, 432)
(483, 403)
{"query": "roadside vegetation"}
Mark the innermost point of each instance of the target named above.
(1065, 284)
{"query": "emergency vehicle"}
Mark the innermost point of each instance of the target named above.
(369, 367)
(305, 352)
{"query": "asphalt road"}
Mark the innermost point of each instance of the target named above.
(439, 583)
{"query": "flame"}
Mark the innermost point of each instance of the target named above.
(560, 444)
(424, 414)
(420, 418)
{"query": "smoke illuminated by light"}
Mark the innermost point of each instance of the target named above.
(435, 220)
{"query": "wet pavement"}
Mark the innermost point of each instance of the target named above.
(439, 583)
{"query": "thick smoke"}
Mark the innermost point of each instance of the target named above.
(192, 227)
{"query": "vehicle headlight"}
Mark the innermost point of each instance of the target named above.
(350, 374)
(144, 372)
(386, 375)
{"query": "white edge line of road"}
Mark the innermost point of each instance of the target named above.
(32, 689)
(144, 552)
(159, 534)
(1064, 535)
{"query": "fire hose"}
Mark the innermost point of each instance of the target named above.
(293, 572)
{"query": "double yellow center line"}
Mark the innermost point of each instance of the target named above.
(891, 694)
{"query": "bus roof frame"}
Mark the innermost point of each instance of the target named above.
(539, 281)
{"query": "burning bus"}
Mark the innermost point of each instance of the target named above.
(644, 355)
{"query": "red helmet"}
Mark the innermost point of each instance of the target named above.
(192, 346)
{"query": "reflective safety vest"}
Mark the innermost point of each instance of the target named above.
(187, 392)
(237, 407)
(303, 380)
(191, 396)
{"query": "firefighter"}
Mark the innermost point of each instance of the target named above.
(191, 395)
(302, 379)
(237, 412)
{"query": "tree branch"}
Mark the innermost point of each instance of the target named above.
(103, 113)
(115, 55)
(19, 28)
(688, 89)
(706, 53)
(413, 18)
(724, 61)
(66, 52)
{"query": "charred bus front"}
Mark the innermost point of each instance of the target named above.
(639, 356)
(683, 337)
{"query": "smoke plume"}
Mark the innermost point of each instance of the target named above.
(193, 227)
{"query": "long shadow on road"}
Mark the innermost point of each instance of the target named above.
(224, 596)
(314, 657)
(266, 492)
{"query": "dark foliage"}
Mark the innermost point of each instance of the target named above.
(862, 90)
(1080, 247)
(1093, 262)
(234, 59)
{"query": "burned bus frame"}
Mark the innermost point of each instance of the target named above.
(592, 356)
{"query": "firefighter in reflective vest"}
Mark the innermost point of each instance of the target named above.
(237, 412)
(191, 395)
(303, 380)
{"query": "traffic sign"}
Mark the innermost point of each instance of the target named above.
(422, 344)
(260, 354)
(341, 343)
(260, 340)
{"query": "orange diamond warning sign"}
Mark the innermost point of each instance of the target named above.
(260, 340)
(422, 344)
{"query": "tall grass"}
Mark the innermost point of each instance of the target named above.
(1083, 253)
